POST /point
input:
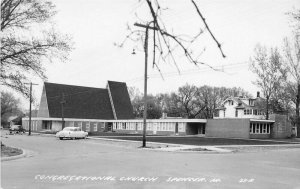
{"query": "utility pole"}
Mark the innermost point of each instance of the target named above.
(145, 78)
(62, 102)
(297, 111)
(30, 101)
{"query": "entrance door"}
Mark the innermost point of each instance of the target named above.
(176, 128)
(154, 128)
(109, 126)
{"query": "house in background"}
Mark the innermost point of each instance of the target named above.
(241, 107)
(241, 117)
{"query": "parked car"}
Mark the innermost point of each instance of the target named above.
(16, 129)
(72, 133)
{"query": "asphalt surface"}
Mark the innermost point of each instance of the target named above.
(52, 163)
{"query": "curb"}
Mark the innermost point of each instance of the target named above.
(14, 157)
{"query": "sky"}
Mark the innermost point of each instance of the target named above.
(95, 25)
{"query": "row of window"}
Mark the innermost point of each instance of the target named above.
(253, 112)
(260, 128)
(34, 125)
(165, 126)
(88, 126)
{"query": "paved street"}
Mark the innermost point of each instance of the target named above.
(98, 164)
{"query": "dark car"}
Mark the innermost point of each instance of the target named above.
(16, 129)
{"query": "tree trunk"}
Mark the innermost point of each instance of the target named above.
(297, 112)
(267, 108)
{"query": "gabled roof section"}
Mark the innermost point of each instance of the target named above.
(80, 102)
(120, 100)
(43, 109)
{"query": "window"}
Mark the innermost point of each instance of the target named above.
(80, 125)
(224, 113)
(236, 113)
(124, 126)
(260, 128)
(181, 127)
(36, 125)
(248, 112)
(257, 128)
(87, 127)
(265, 128)
(95, 127)
(251, 102)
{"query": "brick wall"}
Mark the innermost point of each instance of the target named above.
(282, 127)
(228, 128)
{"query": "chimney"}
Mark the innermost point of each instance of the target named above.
(258, 95)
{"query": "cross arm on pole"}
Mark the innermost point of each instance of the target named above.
(146, 26)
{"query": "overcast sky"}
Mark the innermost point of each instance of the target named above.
(96, 25)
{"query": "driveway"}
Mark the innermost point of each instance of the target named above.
(52, 163)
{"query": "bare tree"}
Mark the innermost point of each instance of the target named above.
(295, 19)
(292, 57)
(28, 40)
(166, 44)
(268, 66)
(189, 101)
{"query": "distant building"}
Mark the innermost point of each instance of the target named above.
(241, 107)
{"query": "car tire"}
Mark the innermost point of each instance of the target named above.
(60, 138)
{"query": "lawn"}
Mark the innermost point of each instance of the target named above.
(7, 151)
(201, 141)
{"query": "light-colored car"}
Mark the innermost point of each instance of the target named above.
(16, 129)
(72, 133)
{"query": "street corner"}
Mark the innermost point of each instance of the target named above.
(9, 158)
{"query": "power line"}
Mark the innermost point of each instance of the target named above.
(193, 71)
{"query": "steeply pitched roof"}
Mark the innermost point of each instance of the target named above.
(120, 99)
(239, 101)
(80, 102)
